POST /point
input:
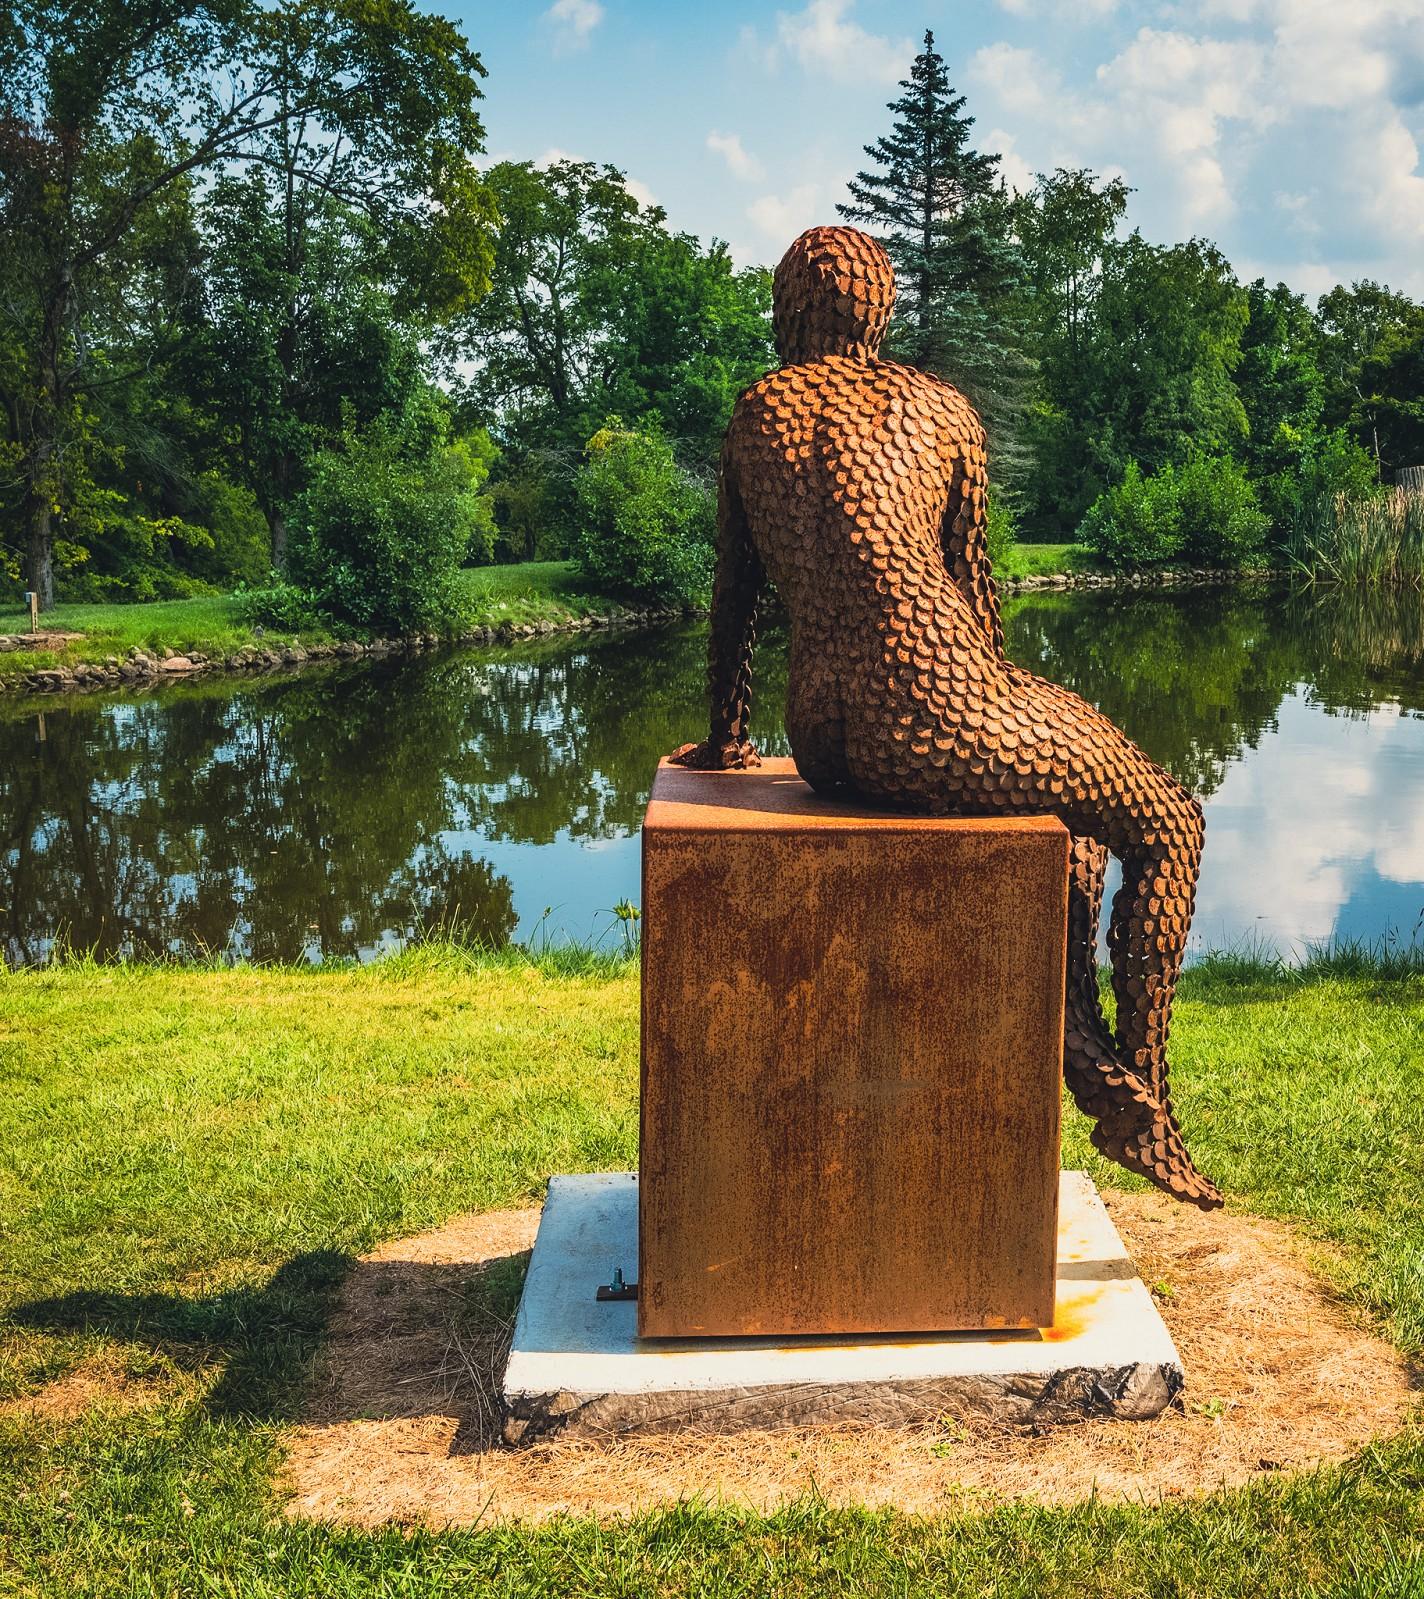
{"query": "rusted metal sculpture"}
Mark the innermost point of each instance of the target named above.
(858, 487)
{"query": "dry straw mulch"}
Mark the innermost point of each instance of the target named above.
(403, 1425)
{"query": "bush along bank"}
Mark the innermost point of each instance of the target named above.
(146, 666)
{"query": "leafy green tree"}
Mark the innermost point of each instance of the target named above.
(939, 208)
(74, 341)
(1354, 322)
(107, 108)
(541, 337)
(1066, 227)
(300, 339)
(596, 307)
(1298, 463)
(1392, 386)
(1167, 343)
(690, 332)
(1278, 378)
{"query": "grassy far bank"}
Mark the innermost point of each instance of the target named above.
(1045, 560)
(533, 592)
(190, 1157)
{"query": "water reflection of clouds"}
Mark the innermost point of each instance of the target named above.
(577, 880)
(1321, 808)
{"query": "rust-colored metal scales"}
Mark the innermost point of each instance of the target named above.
(857, 488)
(852, 1050)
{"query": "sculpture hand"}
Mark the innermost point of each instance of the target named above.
(726, 755)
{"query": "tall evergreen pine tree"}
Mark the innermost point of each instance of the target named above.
(939, 208)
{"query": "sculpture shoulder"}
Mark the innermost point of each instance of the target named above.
(941, 396)
(825, 384)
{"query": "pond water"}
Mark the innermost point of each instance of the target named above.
(498, 794)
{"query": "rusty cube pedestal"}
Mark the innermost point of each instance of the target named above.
(852, 1053)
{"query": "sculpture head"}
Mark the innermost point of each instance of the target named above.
(832, 295)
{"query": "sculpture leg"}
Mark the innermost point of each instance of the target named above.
(1121, 1103)
(1090, 1064)
(1148, 936)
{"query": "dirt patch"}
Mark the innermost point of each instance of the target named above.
(97, 1381)
(404, 1425)
(37, 641)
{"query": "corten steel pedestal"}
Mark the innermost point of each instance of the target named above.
(852, 1053)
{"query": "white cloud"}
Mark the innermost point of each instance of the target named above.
(1065, 10)
(573, 22)
(1017, 78)
(1178, 91)
(823, 39)
(1014, 170)
(1311, 830)
(782, 217)
(754, 51)
(640, 191)
(1223, 106)
(741, 163)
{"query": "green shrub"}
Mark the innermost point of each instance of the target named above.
(1221, 519)
(1203, 514)
(535, 508)
(384, 525)
(1301, 502)
(645, 526)
(1136, 523)
(1001, 529)
(241, 547)
(284, 607)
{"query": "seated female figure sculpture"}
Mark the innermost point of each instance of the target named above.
(858, 487)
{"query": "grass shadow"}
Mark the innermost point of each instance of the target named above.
(266, 1336)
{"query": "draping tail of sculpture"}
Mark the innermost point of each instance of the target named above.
(858, 487)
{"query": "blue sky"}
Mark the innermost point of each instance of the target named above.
(1287, 130)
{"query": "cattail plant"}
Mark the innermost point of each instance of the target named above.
(1376, 539)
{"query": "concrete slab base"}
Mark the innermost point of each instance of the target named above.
(578, 1366)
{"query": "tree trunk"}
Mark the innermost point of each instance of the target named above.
(277, 521)
(42, 445)
(40, 566)
(283, 478)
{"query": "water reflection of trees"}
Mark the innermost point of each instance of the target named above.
(327, 813)
(274, 820)
(1198, 677)
(565, 740)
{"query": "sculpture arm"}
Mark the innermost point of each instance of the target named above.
(736, 592)
(966, 552)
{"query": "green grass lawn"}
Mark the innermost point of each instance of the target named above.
(212, 625)
(189, 1158)
(1045, 560)
(532, 591)
(535, 591)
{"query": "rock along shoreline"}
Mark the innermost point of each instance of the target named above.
(143, 668)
